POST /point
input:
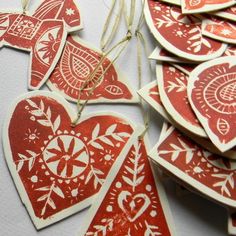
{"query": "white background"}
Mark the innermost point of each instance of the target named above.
(192, 214)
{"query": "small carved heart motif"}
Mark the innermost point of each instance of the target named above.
(133, 206)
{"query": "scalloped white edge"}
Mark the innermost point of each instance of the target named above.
(203, 120)
(112, 175)
(40, 223)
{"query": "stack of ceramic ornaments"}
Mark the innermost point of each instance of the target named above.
(195, 92)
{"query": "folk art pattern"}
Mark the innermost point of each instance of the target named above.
(58, 169)
(131, 200)
(211, 93)
(150, 93)
(43, 34)
(224, 31)
(77, 62)
(172, 85)
(193, 6)
(181, 34)
(212, 175)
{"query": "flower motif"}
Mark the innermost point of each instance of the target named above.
(49, 48)
(67, 158)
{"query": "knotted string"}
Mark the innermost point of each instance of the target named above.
(141, 42)
(122, 44)
(106, 38)
(24, 4)
(120, 47)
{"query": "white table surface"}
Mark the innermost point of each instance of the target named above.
(193, 215)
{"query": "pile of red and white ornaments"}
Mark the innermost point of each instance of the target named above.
(195, 91)
(60, 166)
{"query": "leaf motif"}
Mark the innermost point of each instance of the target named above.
(123, 134)
(58, 191)
(117, 137)
(33, 154)
(51, 204)
(140, 169)
(42, 198)
(44, 122)
(42, 107)
(196, 36)
(127, 180)
(111, 129)
(23, 157)
(226, 190)
(95, 183)
(49, 113)
(36, 113)
(194, 30)
(189, 157)
(31, 163)
(89, 176)
(175, 147)
(98, 172)
(139, 180)
(195, 44)
(31, 103)
(43, 189)
(206, 43)
(19, 166)
(106, 140)
(131, 171)
(197, 49)
(97, 145)
(174, 156)
(183, 144)
(96, 131)
(57, 123)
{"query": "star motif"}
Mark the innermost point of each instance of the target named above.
(226, 32)
(70, 12)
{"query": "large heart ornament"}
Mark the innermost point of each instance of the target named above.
(58, 169)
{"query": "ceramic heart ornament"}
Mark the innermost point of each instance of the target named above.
(211, 92)
(180, 34)
(193, 6)
(78, 61)
(43, 34)
(57, 168)
(132, 201)
(172, 85)
(211, 175)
